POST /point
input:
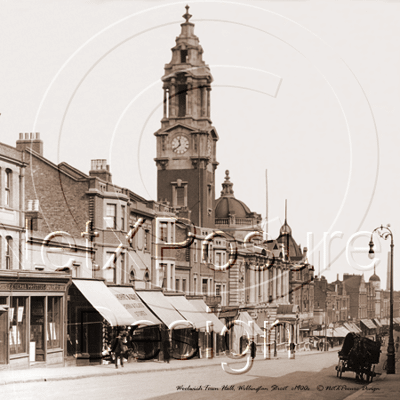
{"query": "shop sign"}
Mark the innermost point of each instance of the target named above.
(44, 287)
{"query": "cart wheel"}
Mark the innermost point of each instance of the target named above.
(340, 370)
(372, 373)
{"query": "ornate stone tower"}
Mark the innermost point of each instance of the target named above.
(186, 142)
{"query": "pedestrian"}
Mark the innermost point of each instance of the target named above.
(117, 349)
(397, 347)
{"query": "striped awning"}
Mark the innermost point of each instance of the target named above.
(368, 323)
(377, 323)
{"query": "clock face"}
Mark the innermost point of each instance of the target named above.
(209, 147)
(180, 144)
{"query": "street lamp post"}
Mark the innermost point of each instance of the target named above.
(384, 232)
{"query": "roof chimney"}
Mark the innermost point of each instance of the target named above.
(100, 169)
(30, 140)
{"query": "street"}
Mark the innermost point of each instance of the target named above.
(280, 378)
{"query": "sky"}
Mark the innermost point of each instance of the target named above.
(307, 91)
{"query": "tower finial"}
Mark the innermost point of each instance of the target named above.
(187, 16)
(285, 210)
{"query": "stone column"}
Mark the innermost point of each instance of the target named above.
(266, 285)
(257, 284)
(189, 96)
(168, 266)
(173, 277)
(172, 98)
(252, 282)
(274, 285)
(204, 102)
(165, 102)
(208, 101)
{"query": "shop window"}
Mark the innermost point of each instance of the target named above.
(18, 325)
(54, 322)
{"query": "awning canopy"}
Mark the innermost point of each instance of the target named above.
(3, 308)
(368, 323)
(160, 305)
(245, 317)
(199, 305)
(101, 298)
(397, 319)
(287, 312)
(377, 323)
(182, 305)
(340, 331)
(228, 313)
(352, 327)
(134, 305)
(384, 321)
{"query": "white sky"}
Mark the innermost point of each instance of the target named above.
(308, 90)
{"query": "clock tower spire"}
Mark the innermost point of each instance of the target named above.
(186, 142)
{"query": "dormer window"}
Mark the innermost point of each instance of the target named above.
(184, 56)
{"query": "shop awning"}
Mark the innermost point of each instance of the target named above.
(201, 306)
(134, 305)
(245, 317)
(384, 321)
(377, 323)
(287, 312)
(228, 313)
(352, 327)
(101, 298)
(182, 305)
(3, 308)
(397, 319)
(160, 305)
(368, 323)
(340, 331)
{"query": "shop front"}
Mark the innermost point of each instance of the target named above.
(32, 318)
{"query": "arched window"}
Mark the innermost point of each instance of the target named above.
(7, 188)
(147, 280)
(132, 278)
(8, 252)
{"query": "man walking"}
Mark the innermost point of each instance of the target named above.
(116, 348)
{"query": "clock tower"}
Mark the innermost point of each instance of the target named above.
(186, 142)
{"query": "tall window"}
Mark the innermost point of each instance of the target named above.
(54, 322)
(111, 216)
(184, 54)
(122, 255)
(146, 239)
(122, 218)
(180, 196)
(195, 285)
(218, 290)
(184, 285)
(110, 274)
(219, 259)
(164, 231)
(7, 188)
(8, 251)
(195, 251)
(18, 326)
(205, 286)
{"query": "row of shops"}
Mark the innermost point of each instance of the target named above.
(51, 318)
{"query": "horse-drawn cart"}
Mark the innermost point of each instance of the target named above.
(359, 354)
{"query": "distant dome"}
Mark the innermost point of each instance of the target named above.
(227, 205)
(374, 278)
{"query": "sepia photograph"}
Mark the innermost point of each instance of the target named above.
(198, 200)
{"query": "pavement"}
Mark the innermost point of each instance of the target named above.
(59, 372)
(384, 386)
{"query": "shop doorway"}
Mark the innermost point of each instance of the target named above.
(92, 334)
(3, 336)
(36, 348)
